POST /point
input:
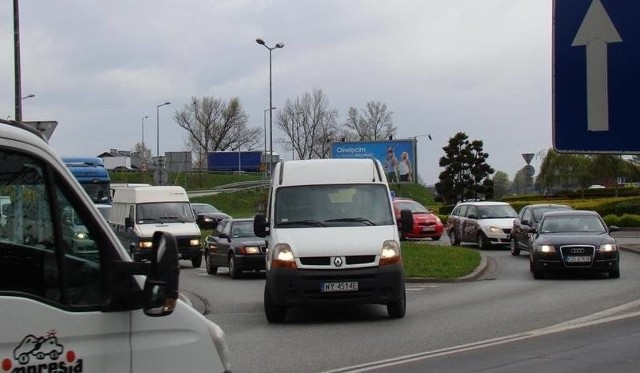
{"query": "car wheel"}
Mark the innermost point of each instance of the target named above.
(537, 274)
(455, 240)
(615, 273)
(211, 269)
(274, 312)
(234, 272)
(514, 250)
(397, 310)
(196, 261)
(483, 242)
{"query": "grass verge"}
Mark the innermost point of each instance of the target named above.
(432, 261)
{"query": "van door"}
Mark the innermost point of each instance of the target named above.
(52, 292)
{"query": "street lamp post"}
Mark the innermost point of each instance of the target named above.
(279, 45)
(142, 151)
(264, 116)
(158, 140)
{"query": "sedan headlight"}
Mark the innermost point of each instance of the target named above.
(145, 244)
(283, 257)
(608, 248)
(547, 249)
(494, 230)
(390, 253)
(82, 236)
(248, 250)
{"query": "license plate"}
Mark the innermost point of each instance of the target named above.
(429, 228)
(327, 287)
(578, 259)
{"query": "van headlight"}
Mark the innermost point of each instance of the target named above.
(282, 257)
(194, 242)
(390, 253)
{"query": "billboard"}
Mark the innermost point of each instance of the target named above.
(397, 156)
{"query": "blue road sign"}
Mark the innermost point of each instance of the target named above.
(596, 76)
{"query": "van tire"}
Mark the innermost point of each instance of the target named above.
(274, 312)
(196, 261)
(398, 309)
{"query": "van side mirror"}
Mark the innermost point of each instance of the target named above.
(260, 225)
(128, 223)
(161, 287)
(406, 221)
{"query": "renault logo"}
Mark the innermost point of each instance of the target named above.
(577, 250)
(338, 261)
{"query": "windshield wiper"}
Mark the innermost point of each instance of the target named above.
(303, 222)
(357, 220)
(172, 218)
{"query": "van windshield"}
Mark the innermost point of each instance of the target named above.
(333, 206)
(164, 212)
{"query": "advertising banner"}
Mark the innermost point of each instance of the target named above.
(397, 156)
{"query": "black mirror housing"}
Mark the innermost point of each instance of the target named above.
(128, 222)
(161, 286)
(406, 221)
(260, 225)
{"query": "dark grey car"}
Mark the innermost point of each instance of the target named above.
(529, 217)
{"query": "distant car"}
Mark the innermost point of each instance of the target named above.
(486, 223)
(529, 217)
(234, 245)
(207, 216)
(571, 240)
(425, 223)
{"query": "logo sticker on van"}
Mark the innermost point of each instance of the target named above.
(32, 353)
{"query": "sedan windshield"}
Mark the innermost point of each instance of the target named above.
(496, 212)
(205, 209)
(413, 206)
(572, 224)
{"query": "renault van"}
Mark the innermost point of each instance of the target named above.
(332, 237)
(65, 311)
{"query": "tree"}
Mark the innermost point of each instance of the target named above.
(564, 171)
(373, 123)
(501, 184)
(214, 125)
(309, 125)
(465, 171)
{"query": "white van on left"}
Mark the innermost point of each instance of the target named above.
(74, 301)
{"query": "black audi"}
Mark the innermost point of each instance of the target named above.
(573, 240)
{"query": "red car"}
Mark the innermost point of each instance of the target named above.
(425, 223)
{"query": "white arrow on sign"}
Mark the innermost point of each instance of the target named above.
(595, 32)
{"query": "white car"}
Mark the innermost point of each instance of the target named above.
(486, 223)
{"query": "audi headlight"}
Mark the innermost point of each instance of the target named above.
(283, 257)
(546, 249)
(608, 248)
(390, 253)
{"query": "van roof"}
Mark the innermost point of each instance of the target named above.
(329, 171)
(146, 194)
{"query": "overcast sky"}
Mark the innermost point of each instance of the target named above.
(482, 67)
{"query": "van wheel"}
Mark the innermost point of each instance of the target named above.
(211, 269)
(274, 312)
(196, 261)
(234, 272)
(397, 310)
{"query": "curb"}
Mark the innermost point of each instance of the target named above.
(480, 270)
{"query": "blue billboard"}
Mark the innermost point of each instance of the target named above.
(397, 156)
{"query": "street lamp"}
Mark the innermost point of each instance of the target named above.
(264, 116)
(279, 45)
(143, 148)
(158, 139)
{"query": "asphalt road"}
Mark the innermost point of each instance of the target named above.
(505, 301)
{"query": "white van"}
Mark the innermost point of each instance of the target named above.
(137, 212)
(69, 312)
(332, 237)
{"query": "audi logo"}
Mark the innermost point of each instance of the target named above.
(577, 250)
